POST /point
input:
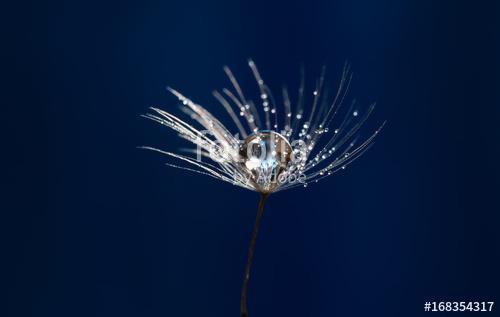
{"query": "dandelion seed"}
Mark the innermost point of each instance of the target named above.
(266, 160)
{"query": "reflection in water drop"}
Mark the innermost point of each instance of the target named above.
(266, 155)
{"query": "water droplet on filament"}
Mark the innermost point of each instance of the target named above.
(265, 155)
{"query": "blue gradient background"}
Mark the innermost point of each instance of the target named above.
(94, 227)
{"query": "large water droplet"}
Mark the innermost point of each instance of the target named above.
(266, 155)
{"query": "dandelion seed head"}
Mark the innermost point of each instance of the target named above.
(259, 157)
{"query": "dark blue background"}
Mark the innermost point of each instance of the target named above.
(95, 227)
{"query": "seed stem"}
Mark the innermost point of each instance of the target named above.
(246, 277)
